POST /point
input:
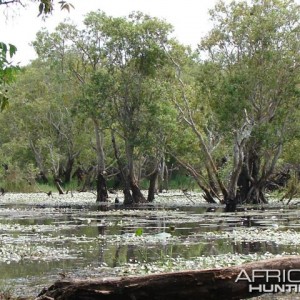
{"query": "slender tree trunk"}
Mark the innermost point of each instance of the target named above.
(69, 168)
(102, 195)
(187, 115)
(212, 183)
(39, 162)
(167, 176)
(256, 193)
(209, 194)
(232, 198)
(137, 195)
(152, 185)
(128, 200)
(57, 183)
(161, 174)
(244, 185)
(241, 138)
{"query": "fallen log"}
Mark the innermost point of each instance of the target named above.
(225, 283)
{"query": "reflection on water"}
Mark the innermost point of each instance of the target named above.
(78, 228)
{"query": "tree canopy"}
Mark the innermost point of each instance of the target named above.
(119, 99)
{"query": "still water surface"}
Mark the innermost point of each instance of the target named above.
(42, 240)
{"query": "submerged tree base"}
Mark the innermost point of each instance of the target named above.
(225, 283)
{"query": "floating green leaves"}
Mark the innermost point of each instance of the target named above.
(272, 235)
(139, 232)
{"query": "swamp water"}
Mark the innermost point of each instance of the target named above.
(43, 239)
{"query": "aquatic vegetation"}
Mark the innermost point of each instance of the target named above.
(173, 264)
(15, 253)
(41, 237)
(287, 237)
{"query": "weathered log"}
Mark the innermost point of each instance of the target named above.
(202, 284)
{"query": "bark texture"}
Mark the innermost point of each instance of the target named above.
(202, 284)
(102, 195)
(152, 185)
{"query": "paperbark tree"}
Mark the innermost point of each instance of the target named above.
(79, 54)
(247, 84)
(133, 57)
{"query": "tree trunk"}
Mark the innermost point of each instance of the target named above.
(244, 184)
(231, 204)
(69, 168)
(137, 195)
(87, 179)
(102, 195)
(57, 183)
(254, 192)
(128, 200)
(39, 161)
(132, 192)
(211, 182)
(240, 139)
(250, 185)
(229, 283)
(161, 174)
(152, 186)
(79, 174)
(208, 193)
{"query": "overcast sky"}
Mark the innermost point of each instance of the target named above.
(189, 18)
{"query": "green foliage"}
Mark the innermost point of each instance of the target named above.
(291, 150)
(139, 232)
(18, 180)
(120, 74)
(181, 180)
(293, 185)
(252, 49)
(7, 71)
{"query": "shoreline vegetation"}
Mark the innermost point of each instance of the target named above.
(281, 185)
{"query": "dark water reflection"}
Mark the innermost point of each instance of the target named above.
(87, 221)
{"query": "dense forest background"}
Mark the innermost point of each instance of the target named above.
(118, 103)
